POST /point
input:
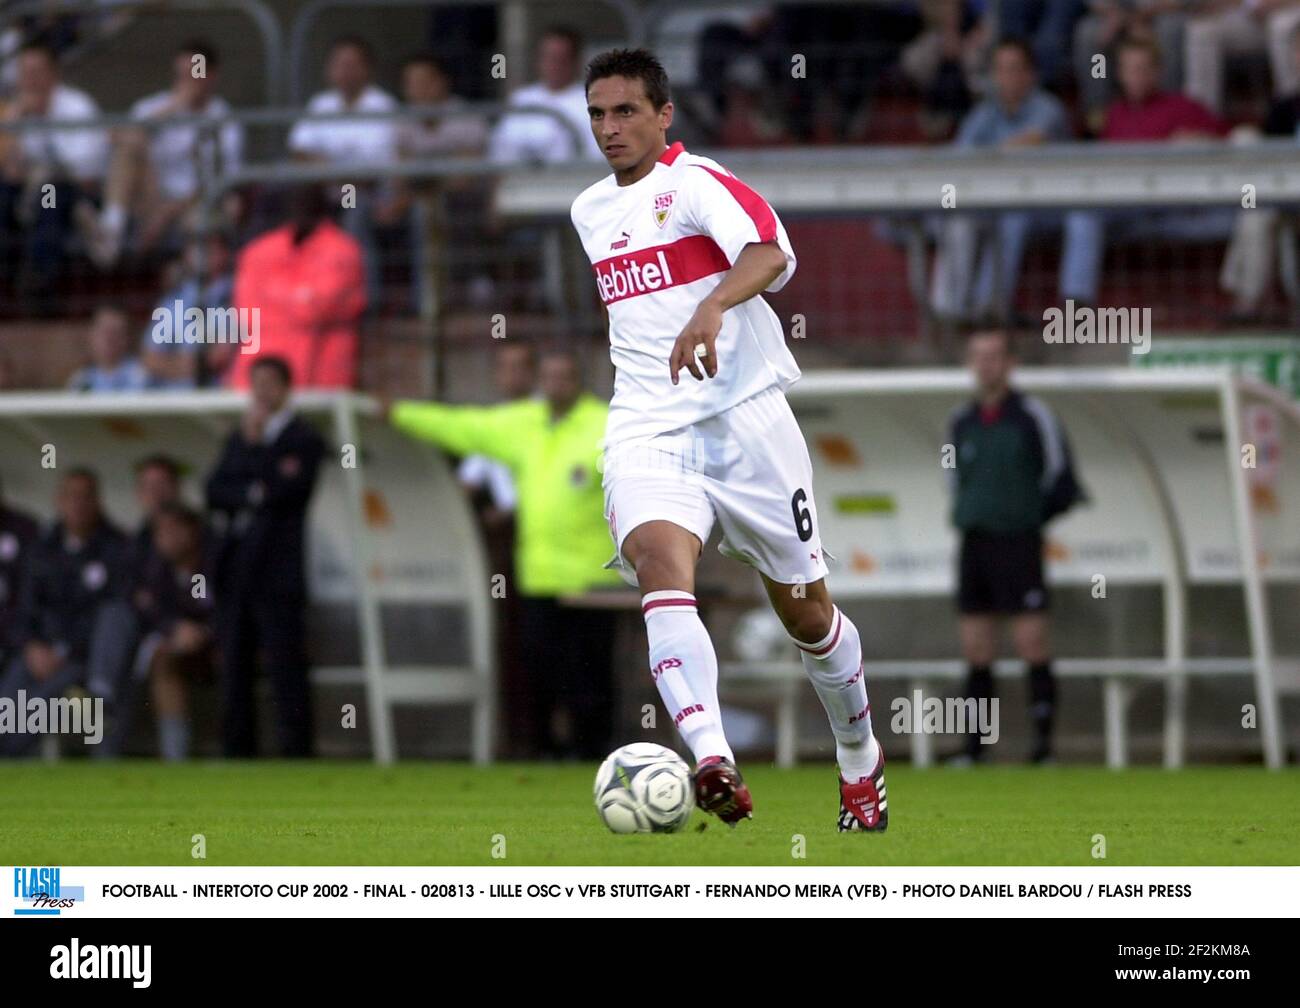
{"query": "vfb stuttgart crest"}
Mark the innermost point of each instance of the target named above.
(663, 207)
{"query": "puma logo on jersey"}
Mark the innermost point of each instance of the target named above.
(621, 243)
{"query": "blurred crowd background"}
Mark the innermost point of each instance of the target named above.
(174, 197)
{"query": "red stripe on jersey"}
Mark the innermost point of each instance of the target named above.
(658, 268)
(751, 202)
(670, 155)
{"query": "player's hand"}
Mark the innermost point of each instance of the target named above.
(700, 331)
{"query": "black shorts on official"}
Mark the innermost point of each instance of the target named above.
(1001, 573)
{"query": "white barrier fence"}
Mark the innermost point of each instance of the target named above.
(1175, 502)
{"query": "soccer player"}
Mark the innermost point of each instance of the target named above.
(1014, 474)
(681, 250)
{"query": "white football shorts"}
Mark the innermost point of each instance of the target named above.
(748, 467)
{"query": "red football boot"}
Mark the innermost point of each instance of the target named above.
(719, 789)
(862, 805)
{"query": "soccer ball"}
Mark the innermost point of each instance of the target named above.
(644, 788)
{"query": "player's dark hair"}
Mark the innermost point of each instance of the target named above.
(1021, 46)
(634, 64)
(277, 364)
(200, 47)
(160, 461)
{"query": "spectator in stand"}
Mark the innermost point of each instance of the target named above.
(970, 281)
(177, 618)
(737, 37)
(305, 280)
(371, 142)
(18, 535)
(447, 127)
(259, 494)
(111, 367)
(1145, 114)
(155, 171)
(1227, 28)
(35, 230)
(535, 138)
(349, 68)
(76, 625)
(848, 49)
(1047, 25)
(1249, 265)
(200, 282)
(946, 62)
(747, 119)
(1107, 23)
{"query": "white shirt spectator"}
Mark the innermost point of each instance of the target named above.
(173, 149)
(369, 141)
(450, 127)
(81, 153)
(521, 137)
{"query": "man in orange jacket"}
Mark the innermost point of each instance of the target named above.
(305, 280)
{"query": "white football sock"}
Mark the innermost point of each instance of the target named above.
(685, 669)
(834, 664)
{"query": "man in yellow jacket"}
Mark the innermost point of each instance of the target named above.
(552, 446)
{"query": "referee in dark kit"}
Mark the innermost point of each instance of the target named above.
(1012, 473)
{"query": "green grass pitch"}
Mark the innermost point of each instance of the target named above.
(328, 813)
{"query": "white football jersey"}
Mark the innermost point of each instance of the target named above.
(658, 247)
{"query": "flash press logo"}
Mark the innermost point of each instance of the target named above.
(76, 961)
(40, 892)
(176, 324)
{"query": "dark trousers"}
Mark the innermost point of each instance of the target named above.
(568, 653)
(268, 626)
(104, 671)
(34, 239)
